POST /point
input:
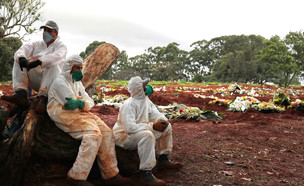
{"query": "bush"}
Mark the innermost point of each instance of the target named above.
(198, 78)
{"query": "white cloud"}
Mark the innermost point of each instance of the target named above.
(135, 25)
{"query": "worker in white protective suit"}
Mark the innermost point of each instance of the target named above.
(141, 126)
(36, 65)
(68, 106)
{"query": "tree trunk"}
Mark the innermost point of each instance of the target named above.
(39, 149)
(98, 63)
(39, 146)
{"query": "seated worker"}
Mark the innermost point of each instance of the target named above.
(69, 107)
(141, 126)
(36, 65)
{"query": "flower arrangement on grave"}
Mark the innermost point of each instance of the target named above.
(297, 104)
(281, 99)
(242, 103)
(268, 107)
(181, 111)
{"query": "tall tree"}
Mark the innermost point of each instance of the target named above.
(206, 53)
(232, 67)
(168, 63)
(295, 42)
(8, 46)
(121, 69)
(199, 58)
(140, 65)
(90, 49)
(278, 55)
(18, 16)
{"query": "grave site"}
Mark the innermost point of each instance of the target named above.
(224, 134)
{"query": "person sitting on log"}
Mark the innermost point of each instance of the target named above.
(141, 126)
(69, 107)
(36, 65)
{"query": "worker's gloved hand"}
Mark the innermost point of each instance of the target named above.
(23, 63)
(33, 64)
(160, 125)
(73, 104)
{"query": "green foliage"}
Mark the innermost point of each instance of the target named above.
(295, 42)
(233, 67)
(121, 69)
(8, 46)
(90, 49)
(231, 58)
(235, 58)
(278, 55)
(17, 16)
(197, 78)
(161, 63)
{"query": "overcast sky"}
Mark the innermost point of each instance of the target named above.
(136, 25)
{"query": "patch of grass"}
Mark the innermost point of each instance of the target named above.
(113, 83)
(211, 83)
(6, 83)
(158, 83)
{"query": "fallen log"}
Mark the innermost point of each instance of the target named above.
(40, 150)
(39, 146)
(98, 63)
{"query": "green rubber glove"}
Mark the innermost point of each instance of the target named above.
(73, 104)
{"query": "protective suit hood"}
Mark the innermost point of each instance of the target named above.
(68, 65)
(136, 88)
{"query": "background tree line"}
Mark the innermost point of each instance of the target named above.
(234, 58)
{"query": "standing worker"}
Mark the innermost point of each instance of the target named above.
(69, 107)
(36, 65)
(141, 126)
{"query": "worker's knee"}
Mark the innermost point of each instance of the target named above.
(169, 128)
(103, 127)
(148, 135)
(92, 139)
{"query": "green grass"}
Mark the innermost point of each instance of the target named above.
(183, 82)
(6, 83)
(153, 83)
(114, 83)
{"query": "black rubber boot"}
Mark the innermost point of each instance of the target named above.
(147, 178)
(73, 182)
(117, 180)
(19, 98)
(165, 163)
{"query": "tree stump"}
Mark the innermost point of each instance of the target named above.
(40, 150)
(98, 63)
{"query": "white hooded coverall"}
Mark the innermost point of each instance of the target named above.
(97, 138)
(134, 127)
(41, 77)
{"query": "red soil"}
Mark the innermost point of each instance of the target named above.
(250, 148)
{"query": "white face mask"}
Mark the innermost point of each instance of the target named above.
(47, 37)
